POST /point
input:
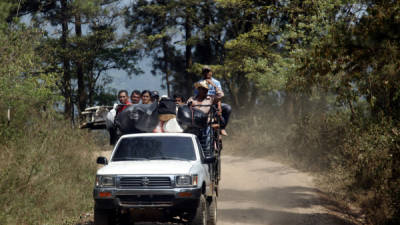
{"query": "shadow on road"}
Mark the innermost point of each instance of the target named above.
(263, 216)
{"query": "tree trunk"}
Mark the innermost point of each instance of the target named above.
(166, 63)
(91, 82)
(66, 82)
(190, 77)
(91, 93)
(79, 68)
(208, 56)
(167, 81)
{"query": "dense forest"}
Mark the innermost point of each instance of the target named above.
(329, 68)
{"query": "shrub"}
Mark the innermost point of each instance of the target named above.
(359, 160)
(47, 175)
(46, 166)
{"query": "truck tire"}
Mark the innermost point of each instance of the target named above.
(125, 219)
(200, 213)
(104, 216)
(212, 210)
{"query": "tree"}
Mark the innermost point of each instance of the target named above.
(25, 88)
(155, 25)
(271, 36)
(85, 54)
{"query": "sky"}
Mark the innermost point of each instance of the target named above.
(145, 81)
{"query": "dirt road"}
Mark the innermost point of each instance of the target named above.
(259, 191)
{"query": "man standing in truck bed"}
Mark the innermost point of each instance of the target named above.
(214, 87)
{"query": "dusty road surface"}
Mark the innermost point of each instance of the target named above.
(259, 191)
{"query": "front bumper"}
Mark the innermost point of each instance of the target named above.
(109, 198)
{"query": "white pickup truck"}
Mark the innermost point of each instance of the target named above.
(155, 177)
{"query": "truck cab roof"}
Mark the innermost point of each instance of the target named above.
(158, 134)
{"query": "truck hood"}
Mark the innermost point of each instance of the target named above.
(153, 167)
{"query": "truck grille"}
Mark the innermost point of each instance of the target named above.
(161, 200)
(137, 182)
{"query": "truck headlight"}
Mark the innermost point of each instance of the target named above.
(105, 181)
(186, 180)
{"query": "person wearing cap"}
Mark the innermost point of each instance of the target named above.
(214, 85)
(202, 100)
(155, 96)
(215, 89)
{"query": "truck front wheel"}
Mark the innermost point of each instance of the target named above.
(104, 216)
(199, 216)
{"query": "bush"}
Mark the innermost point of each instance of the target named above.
(358, 159)
(373, 151)
(47, 175)
(46, 167)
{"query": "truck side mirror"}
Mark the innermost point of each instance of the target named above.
(209, 160)
(102, 160)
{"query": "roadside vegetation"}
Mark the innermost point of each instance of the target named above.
(47, 173)
(46, 166)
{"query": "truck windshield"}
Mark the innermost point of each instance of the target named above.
(152, 148)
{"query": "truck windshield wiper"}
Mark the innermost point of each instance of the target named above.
(129, 159)
(167, 157)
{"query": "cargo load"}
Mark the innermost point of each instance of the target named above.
(137, 118)
(189, 117)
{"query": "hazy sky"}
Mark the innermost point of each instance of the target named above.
(139, 82)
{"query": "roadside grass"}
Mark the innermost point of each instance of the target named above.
(46, 172)
(354, 162)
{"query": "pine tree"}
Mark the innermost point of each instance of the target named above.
(87, 46)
